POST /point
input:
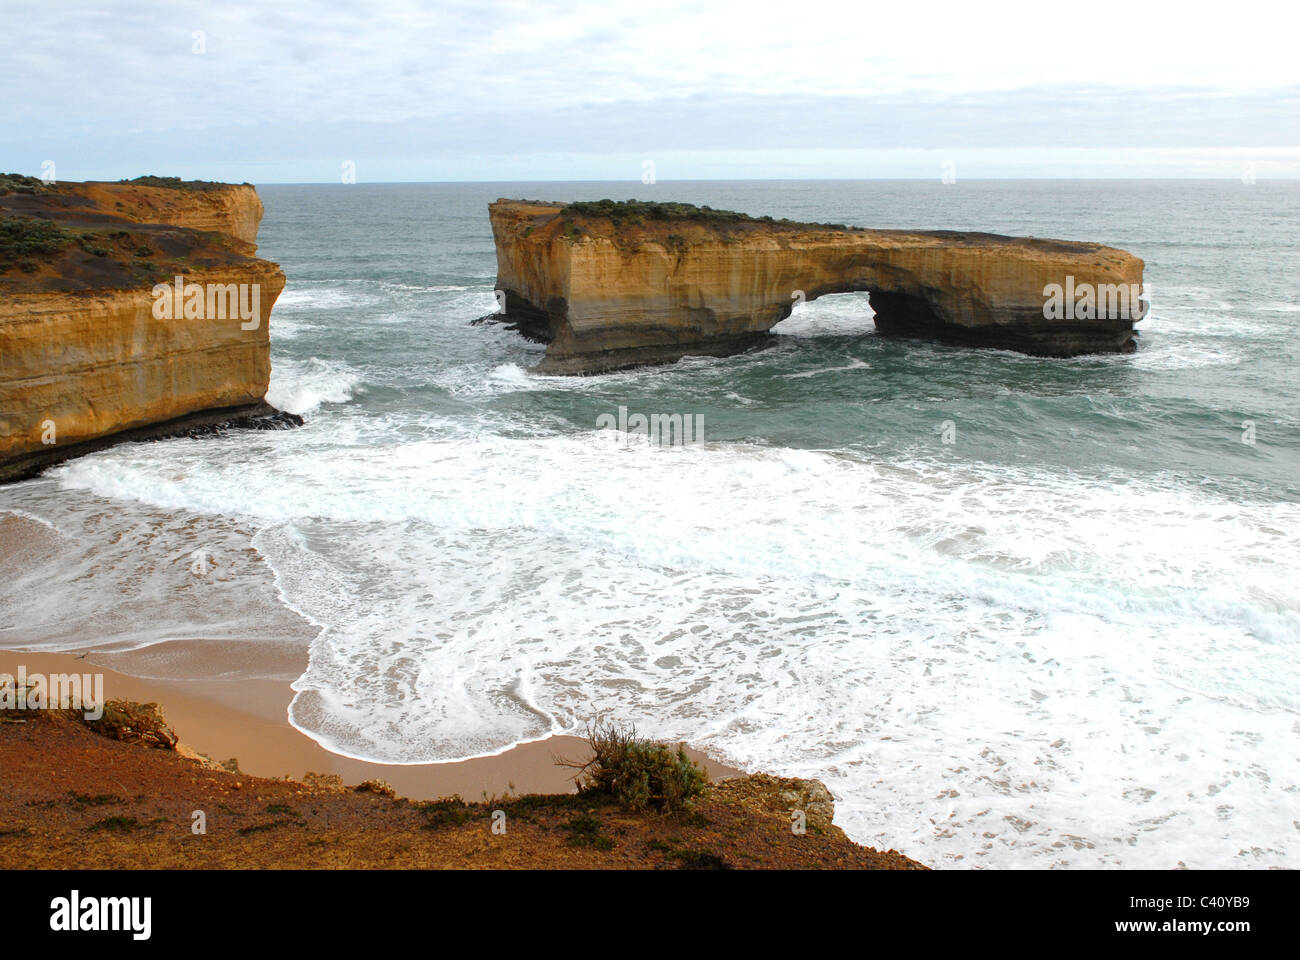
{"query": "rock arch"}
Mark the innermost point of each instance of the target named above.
(608, 291)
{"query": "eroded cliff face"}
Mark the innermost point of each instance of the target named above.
(608, 292)
(91, 354)
(234, 209)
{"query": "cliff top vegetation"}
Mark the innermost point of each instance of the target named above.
(638, 212)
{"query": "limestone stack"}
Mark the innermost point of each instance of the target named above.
(88, 354)
(617, 285)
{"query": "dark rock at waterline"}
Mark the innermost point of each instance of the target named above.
(277, 420)
(197, 426)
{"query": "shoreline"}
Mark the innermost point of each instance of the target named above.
(120, 795)
(288, 802)
(247, 720)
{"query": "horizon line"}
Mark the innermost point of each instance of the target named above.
(658, 182)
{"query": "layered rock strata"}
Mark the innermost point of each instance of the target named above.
(608, 286)
(98, 344)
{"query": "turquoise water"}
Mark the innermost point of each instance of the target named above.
(1221, 259)
(1070, 636)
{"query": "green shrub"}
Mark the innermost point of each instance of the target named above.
(637, 773)
(174, 183)
(26, 241)
(18, 183)
(87, 242)
(120, 824)
(584, 831)
(449, 811)
(95, 800)
(636, 212)
(22, 239)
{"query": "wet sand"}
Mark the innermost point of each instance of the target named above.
(248, 720)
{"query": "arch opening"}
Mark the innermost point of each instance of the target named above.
(830, 315)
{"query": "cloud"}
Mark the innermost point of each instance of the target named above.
(313, 80)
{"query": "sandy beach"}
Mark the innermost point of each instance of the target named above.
(109, 804)
(246, 721)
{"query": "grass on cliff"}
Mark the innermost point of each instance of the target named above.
(25, 241)
(637, 212)
(18, 183)
(639, 774)
(174, 183)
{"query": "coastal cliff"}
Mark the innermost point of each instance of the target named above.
(230, 208)
(611, 285)
(98, 344)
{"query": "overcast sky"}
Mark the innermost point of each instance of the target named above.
(497, 89)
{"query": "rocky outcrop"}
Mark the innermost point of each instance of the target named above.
(790, 795)
(234, 209)
(96, 346)
(131, 722)
(611, 285)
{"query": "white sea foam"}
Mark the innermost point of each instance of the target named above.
(335, 295)
(986, 666)
(162, 579)
(53, 528)
(1170, 352)
(835, 315)
(853, 364)
(302, 386)
(288, 327)
(474, 380)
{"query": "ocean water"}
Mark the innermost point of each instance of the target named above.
(1068, 638)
